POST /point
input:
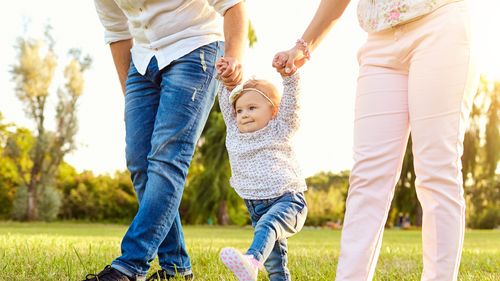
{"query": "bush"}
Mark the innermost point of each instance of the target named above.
(20, 204)
(49, 203)
(488, 219)
(324, 206)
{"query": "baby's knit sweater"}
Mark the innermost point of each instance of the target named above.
(263, 163)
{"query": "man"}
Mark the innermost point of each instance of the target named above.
(165, 54)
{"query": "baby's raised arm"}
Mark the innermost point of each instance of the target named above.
(288, 113)
(225, 106)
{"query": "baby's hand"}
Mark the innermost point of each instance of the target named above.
(221, 66)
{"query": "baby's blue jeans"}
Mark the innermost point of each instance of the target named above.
(274, 220)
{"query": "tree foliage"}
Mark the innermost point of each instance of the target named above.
(96, 198)
(326, 197)
(481, 157)
(33, 74)
(8, 173)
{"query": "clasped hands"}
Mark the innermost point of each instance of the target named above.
(230, 72)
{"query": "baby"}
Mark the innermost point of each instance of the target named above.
(265, 173)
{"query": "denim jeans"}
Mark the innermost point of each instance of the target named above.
(165, 112)
(274, 220)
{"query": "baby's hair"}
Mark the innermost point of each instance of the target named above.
(264, 86)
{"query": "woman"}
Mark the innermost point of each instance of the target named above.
(416, 73)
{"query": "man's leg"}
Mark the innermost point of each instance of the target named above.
(187, 94)
(172, 252)
(141, 105)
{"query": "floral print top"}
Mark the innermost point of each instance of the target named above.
(263, 163)
(377, 15)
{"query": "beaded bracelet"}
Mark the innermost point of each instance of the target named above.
(304, 47)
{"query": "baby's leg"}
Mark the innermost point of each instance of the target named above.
(277, 263)
(282, 219)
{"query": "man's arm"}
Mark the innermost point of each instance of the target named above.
(117, 34)
(235, 34)
(120, 51)
(235, 31)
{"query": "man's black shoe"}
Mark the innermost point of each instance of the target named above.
(108, 274)
(162, 275)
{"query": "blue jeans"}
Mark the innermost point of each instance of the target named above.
(165, 112)
(274, 220)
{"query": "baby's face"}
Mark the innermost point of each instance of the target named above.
(253, 112)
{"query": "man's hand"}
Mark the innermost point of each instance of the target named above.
(229, 71)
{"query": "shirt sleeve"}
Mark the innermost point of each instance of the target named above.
(225, 107)
(221, 6)
(288, 113)
(114, 21)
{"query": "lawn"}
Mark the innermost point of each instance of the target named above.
(67, 251)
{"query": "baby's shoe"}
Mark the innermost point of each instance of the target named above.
(245, 267)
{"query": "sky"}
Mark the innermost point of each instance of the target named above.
(324, 142)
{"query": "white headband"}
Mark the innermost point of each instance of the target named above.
(238, 90)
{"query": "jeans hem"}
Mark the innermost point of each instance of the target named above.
(256, 255)
(123, 268)
(177, 271)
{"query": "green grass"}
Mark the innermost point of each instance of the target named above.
(68, 251)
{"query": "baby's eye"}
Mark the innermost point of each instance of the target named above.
(252, 107)
(239, 111)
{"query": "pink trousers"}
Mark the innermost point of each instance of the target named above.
(417, 77)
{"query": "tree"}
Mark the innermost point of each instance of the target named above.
(33, 75)
(8, 174)
(492, 134)
(481, 156)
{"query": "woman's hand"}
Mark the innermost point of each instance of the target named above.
(287, 62)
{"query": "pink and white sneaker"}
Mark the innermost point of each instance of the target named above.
(245, 267)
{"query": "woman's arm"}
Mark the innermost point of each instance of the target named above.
(329, 11)
(327, 14)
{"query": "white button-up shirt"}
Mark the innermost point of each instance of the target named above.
(166, 29)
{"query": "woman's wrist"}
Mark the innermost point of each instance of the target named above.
(303, 46)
